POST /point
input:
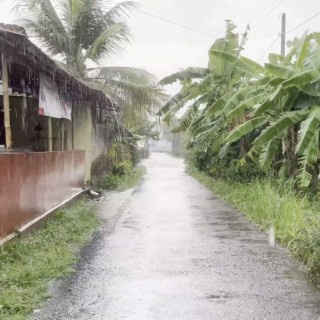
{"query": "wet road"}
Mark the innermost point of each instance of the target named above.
(171, 249)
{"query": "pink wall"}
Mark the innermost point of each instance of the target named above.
(32, 183)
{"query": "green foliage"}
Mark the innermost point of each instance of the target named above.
(268, 114)
(145, 128)
(86, 32)
(233, 170)
(108, 169)
(27, 265)
(122, 168)
(123, 176)
(135, 153)
(205, 159)
(132, 180)
(114, 178)
(111, 181)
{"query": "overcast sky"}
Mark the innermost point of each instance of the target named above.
(163, 48)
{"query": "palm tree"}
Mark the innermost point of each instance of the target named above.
(86, 32)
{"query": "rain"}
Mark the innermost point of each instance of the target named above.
(160, 160)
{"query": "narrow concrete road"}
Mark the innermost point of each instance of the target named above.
(172, 250)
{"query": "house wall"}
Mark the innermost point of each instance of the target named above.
(88, 134)
(82, 133)
(32, 183)
(100, 136)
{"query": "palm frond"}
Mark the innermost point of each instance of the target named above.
(111, 41)
(119, 11)
(187, 74)
(42, 20)
(124, 74)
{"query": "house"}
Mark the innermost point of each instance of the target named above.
(51, 130)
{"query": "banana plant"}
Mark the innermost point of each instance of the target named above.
(271, 111)
(287, 113)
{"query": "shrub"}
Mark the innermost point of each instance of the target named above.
(122, 168)
(111, 181)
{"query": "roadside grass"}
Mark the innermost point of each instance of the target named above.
(27, 265)
(129, 179)
(132, 179)
(295, 218)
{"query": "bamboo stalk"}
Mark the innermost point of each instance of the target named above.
(6, 107)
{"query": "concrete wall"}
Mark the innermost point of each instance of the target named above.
(100, 144)
(82, 134)
(32, 183)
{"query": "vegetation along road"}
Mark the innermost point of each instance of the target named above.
(171, 249)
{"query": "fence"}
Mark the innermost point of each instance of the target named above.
(32, 183)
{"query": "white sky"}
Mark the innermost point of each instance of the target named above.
(163, 48)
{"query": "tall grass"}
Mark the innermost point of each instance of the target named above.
(27, 265)
(295, 218)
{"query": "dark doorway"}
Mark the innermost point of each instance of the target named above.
(2, 129)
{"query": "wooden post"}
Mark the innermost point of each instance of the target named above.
(62, 134)
(72, 126)
(6, 107)
(49, 134)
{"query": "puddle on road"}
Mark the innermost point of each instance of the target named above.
(213, 198)
(222, 297)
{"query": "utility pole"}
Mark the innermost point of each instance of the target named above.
(283, 34)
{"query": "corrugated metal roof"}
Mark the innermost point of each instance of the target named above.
(13, 28)
(15, 42)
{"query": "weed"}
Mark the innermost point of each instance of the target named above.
(27, 265)
(111, 181)
(131, 180)
(122, 168)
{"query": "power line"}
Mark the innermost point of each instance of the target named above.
(267, 50)
(265, 36)
(302, 23)
(174, 23)
(267, 15)
(269, 5)
(177, 24)
(215, 37)
(291, 30)
(259, 11)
